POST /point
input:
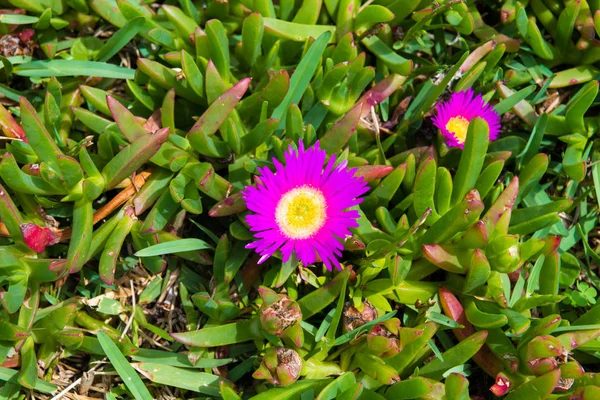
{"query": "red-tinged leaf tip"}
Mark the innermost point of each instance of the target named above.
(454, 309)
(380, 92)
(181, 339)
(503, 155)
(472, 196)
(503, 204)
(112, 103)
(552, 243)
(36, 237)
(441, 256)
(10, 126)
(478, 54)
(210, 65)
(243, 84)
(228, 206)
(59, 267)
(353, 244)
(373, 172)
(119, 113)
(338, 135)
(429, 251)
(268, 296)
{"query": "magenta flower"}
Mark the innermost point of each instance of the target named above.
(303, 207)
(453, 117)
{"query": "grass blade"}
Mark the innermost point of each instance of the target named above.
(176, 246)
(10, 375)
(196, 381)
(301, 77)
(120, 39)
(47, 69)
(131, 379)
(512, 100)
(176, 359)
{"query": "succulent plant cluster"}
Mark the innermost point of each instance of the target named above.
(135, 131)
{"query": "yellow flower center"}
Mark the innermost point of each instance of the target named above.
(458, 126)
(301, 212)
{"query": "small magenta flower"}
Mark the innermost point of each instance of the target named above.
(453, 117)
(302, 208)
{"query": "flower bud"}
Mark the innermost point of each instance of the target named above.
(280, 366)
(544, 346)
(281, 316)
(502, 386)
(383, 338)
(353, 318)
(540, 366)
(541, 355)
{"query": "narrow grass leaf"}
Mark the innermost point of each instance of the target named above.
(286, 270)
(301, 77)
(535, 140)
(443, 320)
(207, 231)
(10, 375)
(123, 368)
(120, 39)
(176, 359)
(241, 369)
(463, 369)
(50, 68)
(505, 285)
(534, 276)
(292, 391)
(324, 325)
(176, 246)
(435, 349)
(512, 100)
(196, 381)
(10, 93)
(576, 328)
(517, 291)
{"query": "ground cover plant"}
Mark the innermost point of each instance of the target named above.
(256, 199)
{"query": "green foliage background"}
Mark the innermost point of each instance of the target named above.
(130, 128)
